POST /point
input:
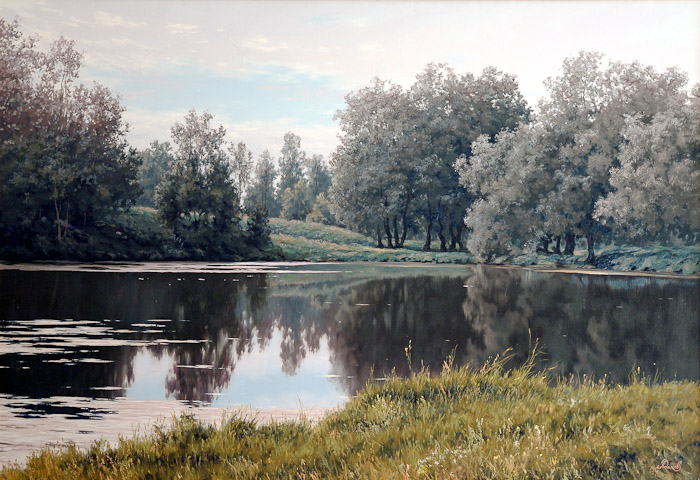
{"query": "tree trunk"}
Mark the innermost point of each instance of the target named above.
(441, 234)
(460, 231)
(557, 246)
(544, 244)
(591, 247)
(387, 230)
(404, 225)
(396, 234)
(404, 230)
(426, 245)
(569, 243)
(379, 237)
(453, 237)
(58, 220)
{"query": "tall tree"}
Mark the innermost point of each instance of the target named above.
(656, 187)
(261, 194)
(409, 142)
(241, 167)
(291, 162)
(369, 179)
(584, 119)
(65, 165)
(197, 197)
(553, 173)
(318, 175)
(451, 111)
(155, 161)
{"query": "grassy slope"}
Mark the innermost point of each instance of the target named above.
(299, 240)
(318, 243)
(461, 424)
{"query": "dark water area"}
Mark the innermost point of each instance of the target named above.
(301, 335)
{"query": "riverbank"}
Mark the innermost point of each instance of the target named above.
(493, 423)
(301, 241)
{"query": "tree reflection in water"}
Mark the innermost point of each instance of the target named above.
(593, 325)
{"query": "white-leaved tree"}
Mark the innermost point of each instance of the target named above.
(656, 187)
(241, 167)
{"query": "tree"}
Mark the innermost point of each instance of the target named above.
(321, 211)
(155, 161)
(369, 183)
(584, 119)
(261, 194)
(296, 202)
(291, 162)
(541, 183)
(197, 197)
(506, 177)
(241, 166)
(318, 176)
(66, 169)
(408, 142)
(451, 112)
(656, 188)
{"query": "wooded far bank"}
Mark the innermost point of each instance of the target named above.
(457, 162)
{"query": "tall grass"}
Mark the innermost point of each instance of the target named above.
(490, 423)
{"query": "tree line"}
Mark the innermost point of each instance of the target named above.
(69, 178)
(612, 154)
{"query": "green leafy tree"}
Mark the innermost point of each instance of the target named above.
(370, 181)
(321, 211)
(584, 118)
(291, 162)
(197, 197)
(261, 194)
(155, 161)
(318, 175)
(296, 202)
(395, 161)
(65, 167)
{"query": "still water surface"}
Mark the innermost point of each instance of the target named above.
(94, 350)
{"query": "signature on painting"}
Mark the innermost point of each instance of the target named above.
(665, 466)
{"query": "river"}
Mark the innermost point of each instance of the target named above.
(96, 351)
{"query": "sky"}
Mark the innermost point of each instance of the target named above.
(266, 68)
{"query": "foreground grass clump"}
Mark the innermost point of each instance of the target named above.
(491, 423)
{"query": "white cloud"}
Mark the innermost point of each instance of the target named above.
(263, 44)
(106, 19)
(346, 44)
(182, 28)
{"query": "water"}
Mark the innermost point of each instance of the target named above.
(95, 351)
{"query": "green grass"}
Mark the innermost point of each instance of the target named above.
(314, 242)
(490, 423)
(304, 241)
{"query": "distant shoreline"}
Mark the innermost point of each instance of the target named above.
(270, 267)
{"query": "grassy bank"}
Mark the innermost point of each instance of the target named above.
(461, 424)
(313, 242)
(298, 240)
